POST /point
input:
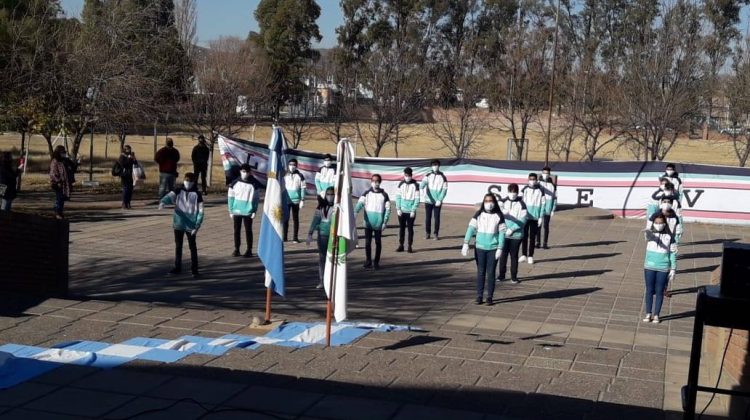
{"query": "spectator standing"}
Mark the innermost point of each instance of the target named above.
(8, 180)
(126, 161)
(167, 158)
(200, 156)
(62, 177)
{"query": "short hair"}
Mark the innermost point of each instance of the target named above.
(669, 186)
(190, 176)
(547, 168)
(667, 198)
(330, 190)
(293, 161)
(670, 165)
(170, 142)
(327, 157)
(201, 138)
(380, 178)
(533, 175)
(513, 188)
(246, 167)
(435, 162)
(407, 171)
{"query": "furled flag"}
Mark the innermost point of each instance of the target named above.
(343, 236)
(271, 244)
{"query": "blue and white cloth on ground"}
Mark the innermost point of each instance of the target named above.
(20, 363)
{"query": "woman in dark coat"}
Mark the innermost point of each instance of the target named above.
(8, 180)
(62, 177)
(127, 160)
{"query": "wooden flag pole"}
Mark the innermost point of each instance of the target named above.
(268, 305)
(335, 259)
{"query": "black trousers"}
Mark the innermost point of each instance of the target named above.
(294, 215)
(201, 170)
(405, 221)
(510, 247)
(238, 222)
(127, 190)
(530, 230)
(369, 234)
(545, 226)
(178, 241)
(430, 210)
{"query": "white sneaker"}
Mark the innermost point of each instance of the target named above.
(647, 318)
(319, 286)
(522, 258)
(531, 260)
(655, 320)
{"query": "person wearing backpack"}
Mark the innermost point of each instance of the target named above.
(125, 163)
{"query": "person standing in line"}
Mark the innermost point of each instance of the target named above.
(187, 220)
(167, 158)
(434, 186)
(664, 187)
(660, 266)
(62, 177)
(488, 225)
(535, 201)
(295, 190)
(407, 202)
(200, 156)
(670, 216)
(242, 202)
(127, 161)
(377, 207)
(549, 188)
(515, 213)
(8, 179)
(321, 223)
(673, 177)
(326, 176)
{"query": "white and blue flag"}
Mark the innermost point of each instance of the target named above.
(275, 207)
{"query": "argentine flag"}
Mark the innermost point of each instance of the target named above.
(271, 243)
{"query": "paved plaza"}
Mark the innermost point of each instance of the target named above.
(565, 343)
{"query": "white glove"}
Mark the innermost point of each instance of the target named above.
(252, 215)
(193, 232)
(412, 215)
(231, 215)
(309, 239)
(671, 275)
(399, 213)
(301, 204)
(161, 206)
(497, 253)
(509, 232)
(438, 203)
(552, 214)
(382, 228)
(465, 250)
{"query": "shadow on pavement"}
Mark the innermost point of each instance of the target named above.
(567, 274)
(711, 241)
(581, 257)
(698, 269)
(582, 244)
(555, 294)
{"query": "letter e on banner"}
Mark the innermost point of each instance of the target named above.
(691, 203)
(585, 197)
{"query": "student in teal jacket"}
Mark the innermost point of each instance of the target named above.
(187, 219)
(514, 211)
(407, 202)
(488, 226)
(242, 203)
(321, 223)
(660, 266)
(377, 206)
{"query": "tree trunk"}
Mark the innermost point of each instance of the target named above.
(122, 136)
(48, 139)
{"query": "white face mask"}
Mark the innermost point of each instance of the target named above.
(188, 185)
(292, 168)
(670, 172)
(435, 168)
(330, 198)
(512, 195)
(245, 175)
(489, 206)
(532, 183)
(327, 163)
(545, 175)
(666, 206)
(407, 178)
(375, 185)
(659, 227)
(662, 186)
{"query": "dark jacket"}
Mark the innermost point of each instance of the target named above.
(127, 166)
(167, 158)
(201, 154)
(9, 178)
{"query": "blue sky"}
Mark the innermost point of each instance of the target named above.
(235, 18)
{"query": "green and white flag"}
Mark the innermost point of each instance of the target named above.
(343, 237)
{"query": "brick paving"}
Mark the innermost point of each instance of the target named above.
(565, 343)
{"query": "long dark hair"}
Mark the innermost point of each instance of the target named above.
(322, 201)
(57, 154)
(666, 230)
(495, 209)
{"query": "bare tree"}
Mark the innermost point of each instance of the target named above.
(186, 18)
(737, 91)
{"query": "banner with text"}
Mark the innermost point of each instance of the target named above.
(711, 194)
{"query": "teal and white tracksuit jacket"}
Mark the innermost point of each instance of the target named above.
(661, 251)
(676, 181)
(674, 224)
(535, 201)
(549, 189)
(326, 177)
(377, 208)
(407, 197)
(242, 198)
(188, 208)
(515, 214)
(434, 187)
(489, 229)
(321, 222)
(295, 187)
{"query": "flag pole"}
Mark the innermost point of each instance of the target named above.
(334, 257)
(268, 306)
